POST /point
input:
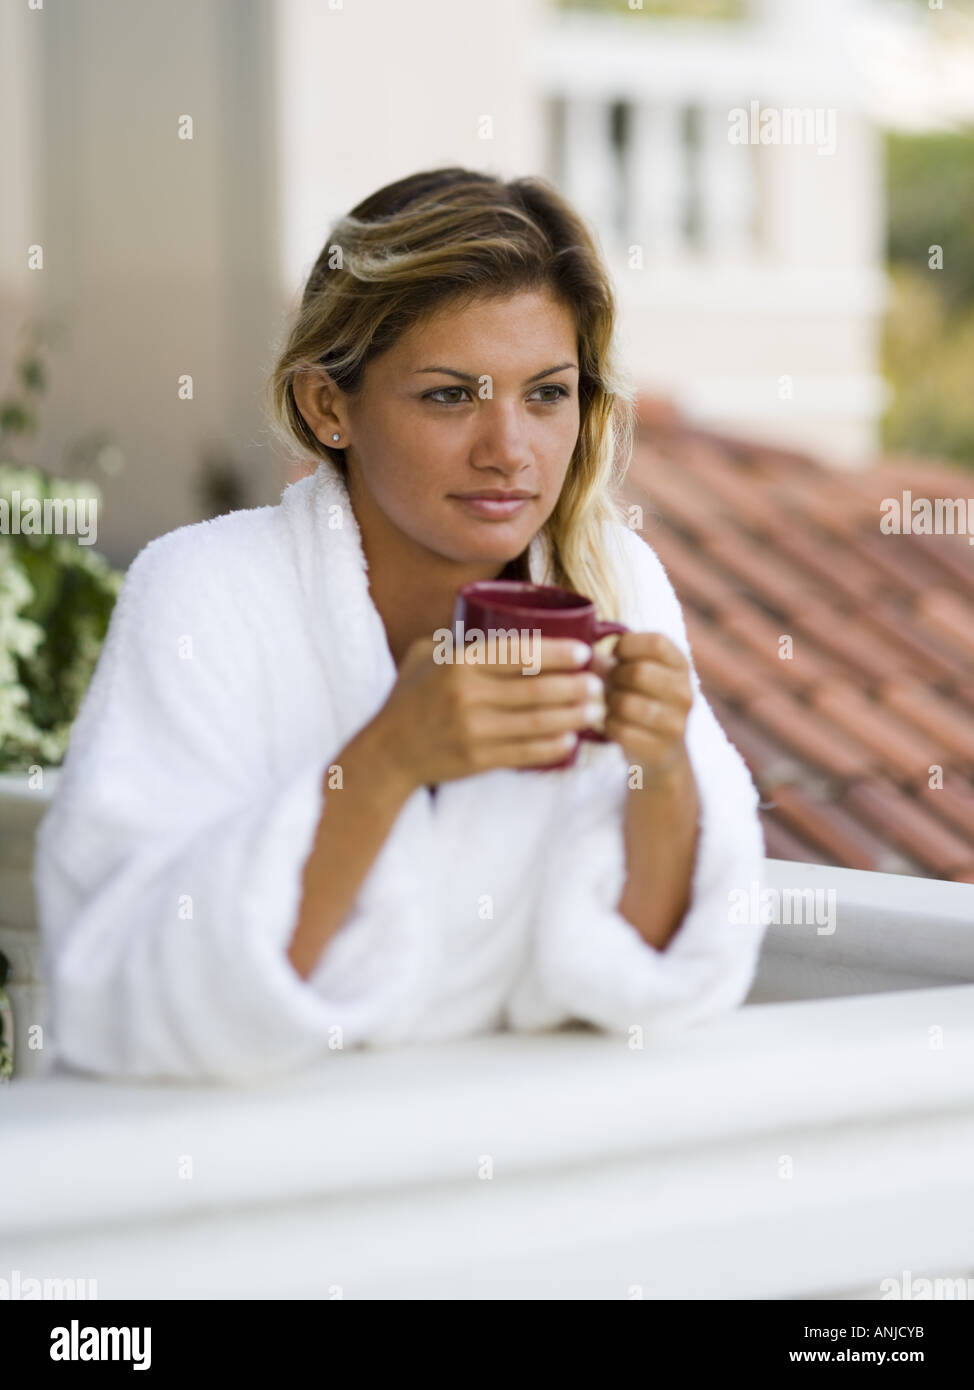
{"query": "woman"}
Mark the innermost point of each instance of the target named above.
(282, 826)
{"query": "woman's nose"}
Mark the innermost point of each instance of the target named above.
(504, 439)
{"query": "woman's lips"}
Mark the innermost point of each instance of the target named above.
(494, 508)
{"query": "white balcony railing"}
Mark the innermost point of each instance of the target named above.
(816, 1142)
(640, 123)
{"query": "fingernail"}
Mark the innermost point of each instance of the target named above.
(594, 713)
(581, 653)
(593, 686)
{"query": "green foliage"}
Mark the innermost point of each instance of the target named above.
(928, 339)
(56, 598)
(928, 355)
(931, 203)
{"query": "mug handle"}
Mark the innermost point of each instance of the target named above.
(602, 629)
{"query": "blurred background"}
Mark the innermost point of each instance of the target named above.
(797, 311)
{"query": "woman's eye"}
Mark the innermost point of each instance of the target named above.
(437, 394)
(432, 395)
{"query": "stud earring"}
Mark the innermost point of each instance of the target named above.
(336, 437)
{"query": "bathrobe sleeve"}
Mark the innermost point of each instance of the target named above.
(168, 867)
(589, 962)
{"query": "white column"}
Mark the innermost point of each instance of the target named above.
(21, 36)
(726, 174)
(658, 180)
(590, 167)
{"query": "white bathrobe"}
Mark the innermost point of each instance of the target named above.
(242, 655)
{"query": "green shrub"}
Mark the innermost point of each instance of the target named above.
(56, 598)
(56, 593)
(928, 336)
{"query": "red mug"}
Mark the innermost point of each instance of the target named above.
(502, 604)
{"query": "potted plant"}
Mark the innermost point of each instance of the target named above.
(56, 598)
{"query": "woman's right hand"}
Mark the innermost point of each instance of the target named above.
(444, 721)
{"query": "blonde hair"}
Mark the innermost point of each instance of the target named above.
(452, 236)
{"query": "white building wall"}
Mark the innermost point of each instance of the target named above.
(167, 256)
(158, 252)
(763, 317)
(369, 93)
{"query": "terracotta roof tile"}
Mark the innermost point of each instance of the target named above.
(769, 762)
(883, 806)
(731, 671)
(953, 726)
(806, 497)
(893, 477)
(935, 656)
(953, 802)
(762, 542)
(903, 571)
(812, 737)
(833, 566)
(833, 830)
(690, 574)
(954, 555)
(758, 453)
(850, 637)
(806, 667)
(735, 488)
(767, 574)
(780, 843)
(949, 614)
(679, 499)
(656, 414)
(900, 746)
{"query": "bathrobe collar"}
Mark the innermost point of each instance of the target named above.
(325, 541)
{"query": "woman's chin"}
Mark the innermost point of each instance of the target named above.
(499, 552)
(495, 542)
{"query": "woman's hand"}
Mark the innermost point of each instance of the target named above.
(445, 721)
(648, 695)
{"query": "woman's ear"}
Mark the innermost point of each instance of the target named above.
(316, 397)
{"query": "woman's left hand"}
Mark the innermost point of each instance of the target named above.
(648, 698)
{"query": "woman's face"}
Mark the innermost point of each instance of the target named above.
(479, 400)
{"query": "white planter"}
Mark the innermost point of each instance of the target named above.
(21, 807)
